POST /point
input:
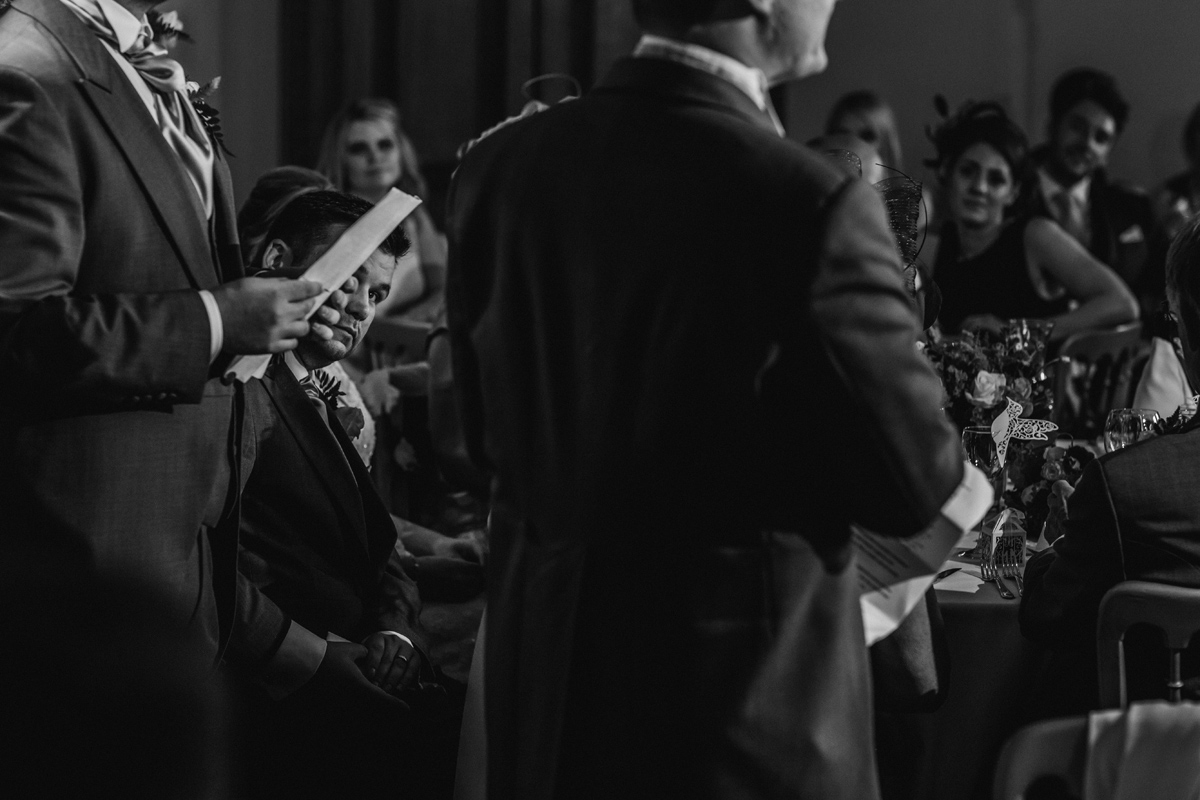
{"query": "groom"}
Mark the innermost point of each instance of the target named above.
(682, 423)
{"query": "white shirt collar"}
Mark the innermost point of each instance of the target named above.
(125, 25)
(1051, 187)
(293, 363)
(750, 80)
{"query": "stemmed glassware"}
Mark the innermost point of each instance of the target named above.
(1125, 426)
(980, 449)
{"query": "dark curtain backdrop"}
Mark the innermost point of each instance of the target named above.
(455, 67)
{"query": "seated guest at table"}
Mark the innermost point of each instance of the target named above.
(1134, 516)
(1113, 221)
(318, 542)
(995, 262)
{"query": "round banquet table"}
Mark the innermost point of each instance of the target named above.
(951, 753)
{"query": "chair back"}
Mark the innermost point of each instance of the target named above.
(1174, 610)
(1055, 748)
(392, 342)
(1095, 375)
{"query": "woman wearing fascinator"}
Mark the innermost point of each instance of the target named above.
(991, 258)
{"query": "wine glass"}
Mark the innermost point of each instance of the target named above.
(1125, 426)
(980, 449)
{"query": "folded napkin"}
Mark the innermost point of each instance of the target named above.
(1149, 750)
(966, 580)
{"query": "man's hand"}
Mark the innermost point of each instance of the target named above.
(391, 663)
(264, 315)
(340, 667)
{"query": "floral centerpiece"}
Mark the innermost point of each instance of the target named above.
(981, 370)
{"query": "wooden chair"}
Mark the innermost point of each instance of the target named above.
(1172, 609)
(1056, 748)
(1083, 397)
(396, 341)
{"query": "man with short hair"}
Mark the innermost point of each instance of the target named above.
(1115, 222)
(1134, 515)
(318, 542)
(683, 348)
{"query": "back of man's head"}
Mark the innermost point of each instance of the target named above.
(1073, 87)
(311, 221)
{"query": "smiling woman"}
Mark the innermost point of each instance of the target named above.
(992, 260)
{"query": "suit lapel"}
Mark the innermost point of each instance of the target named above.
(124, 116)
(323, 451)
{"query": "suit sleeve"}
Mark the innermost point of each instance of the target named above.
(907, 460)
(111, 346)
(1064, 585)
(397, 605)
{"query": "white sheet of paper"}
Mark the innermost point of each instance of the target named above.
(894, 573)
(339, 262)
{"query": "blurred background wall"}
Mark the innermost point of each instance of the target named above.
(456, 66)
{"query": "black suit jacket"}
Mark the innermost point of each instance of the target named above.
(316, 539)
(683, 345)
(1125, 235)
(114, 434)
(1135, 515)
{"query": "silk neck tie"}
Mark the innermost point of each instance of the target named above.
(1069, 212)
(177, 119)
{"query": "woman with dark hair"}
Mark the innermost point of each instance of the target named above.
(992, 260)
(1179, 198)
(365, 152)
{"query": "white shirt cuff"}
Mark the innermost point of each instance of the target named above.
(295, 662)
(970, 500)
(216, 329)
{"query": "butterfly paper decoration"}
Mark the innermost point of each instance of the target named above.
(1010, 425)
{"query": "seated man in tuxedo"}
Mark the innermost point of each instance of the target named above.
(1134, 515)
(317, 541)
(1114, 222)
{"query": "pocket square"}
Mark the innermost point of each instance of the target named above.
(1132, 234)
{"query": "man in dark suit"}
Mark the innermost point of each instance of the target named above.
(318, 542)
(1113, 221)
(683, 347)
(1134, 515)
(121, 298)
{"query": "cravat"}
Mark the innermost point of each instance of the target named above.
(177, 119)
(1069, 213)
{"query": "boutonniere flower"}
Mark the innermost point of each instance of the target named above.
(330, 389)
(1182, 418)
(198, 96)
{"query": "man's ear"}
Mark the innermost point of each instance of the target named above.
(276, 255)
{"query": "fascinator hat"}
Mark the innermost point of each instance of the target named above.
(902, 199)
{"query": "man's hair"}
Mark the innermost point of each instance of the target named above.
(1183, 274)
(1085, 83)
(315, 218)
(274, 190)
(679, 15)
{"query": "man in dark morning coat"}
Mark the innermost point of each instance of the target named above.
(121, 298)
(1115, 222)
(318, 542)
(1134, 515)
(683, 346)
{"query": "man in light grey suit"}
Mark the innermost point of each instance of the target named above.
(121, 300)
